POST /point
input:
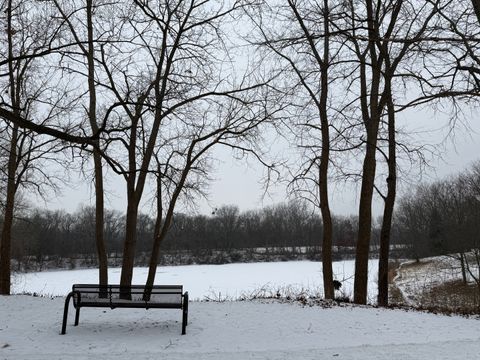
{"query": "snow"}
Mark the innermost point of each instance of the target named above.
(30, 326)
(234, 330)
(230, 281)
(415, 277)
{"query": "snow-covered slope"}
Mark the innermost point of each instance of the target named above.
(30, 326)
(415, 278)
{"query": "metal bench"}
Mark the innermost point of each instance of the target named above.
(134, 296)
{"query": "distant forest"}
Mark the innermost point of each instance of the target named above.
(433, 219)
(45, 233)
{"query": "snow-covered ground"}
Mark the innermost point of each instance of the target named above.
(30, 326)
(230, 281)
(416, 277)
(235, 330)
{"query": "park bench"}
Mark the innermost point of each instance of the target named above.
(133, 296)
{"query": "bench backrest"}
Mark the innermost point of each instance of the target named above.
(156, 294)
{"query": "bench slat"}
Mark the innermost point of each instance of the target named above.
(157, 294)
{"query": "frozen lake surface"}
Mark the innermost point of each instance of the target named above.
(230, 281)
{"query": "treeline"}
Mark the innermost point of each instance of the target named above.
(45, 233)
(435, 219)
(442, 217)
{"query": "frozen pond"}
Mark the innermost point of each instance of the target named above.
(229, 281)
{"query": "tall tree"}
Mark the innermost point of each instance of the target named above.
(298, 37)
(27, 28)
(385, 232)
(170, 70)
(382, 34)
(88, 51)
(186, 169)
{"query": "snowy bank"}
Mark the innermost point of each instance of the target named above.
(30, 326)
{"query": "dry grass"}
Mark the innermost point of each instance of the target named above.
(447, 296)
(453, 295)
(395, 295)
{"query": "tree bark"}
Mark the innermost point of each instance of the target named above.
(6, 240)
(464, 271)
(152, 269)
(370, 101)
(327, 233)
(365, 223)
(366, 195)
(385, 232)
(99, 220)
(323, 62)
(130, 242)
(323, 170)
(476, 8)
(92, 114)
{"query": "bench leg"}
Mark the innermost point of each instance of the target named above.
(184, 323)
(77, 316)
(65, 313)
(185, 314)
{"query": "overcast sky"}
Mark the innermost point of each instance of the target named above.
(240, 183)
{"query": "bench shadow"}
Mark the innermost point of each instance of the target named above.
(112, 322)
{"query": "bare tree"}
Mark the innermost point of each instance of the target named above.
(26, 28)
(298, 37)
(234, 125)
(381, 36)
(88, 51)
(164, 80)
(442, 217)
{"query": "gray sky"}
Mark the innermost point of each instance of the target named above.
(240, 183)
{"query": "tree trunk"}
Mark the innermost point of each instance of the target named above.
(99, 220)
(464, 272)
(99, 196)
(476, 8)
(364, 227)
(369, 100)
(324, 162)
(152, 266)
(387, 211)
(157, 241)
(130, 242)
(365, 215)
(327, 236)
(6, 240)
(163, 230)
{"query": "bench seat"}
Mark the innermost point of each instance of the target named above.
(133, 296)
